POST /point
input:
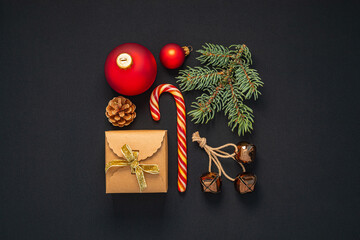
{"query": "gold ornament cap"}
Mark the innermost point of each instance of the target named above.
(187, 50)
(124, 61)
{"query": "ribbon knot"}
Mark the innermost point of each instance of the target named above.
(135, 167)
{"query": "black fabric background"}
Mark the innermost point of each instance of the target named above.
(53, 96)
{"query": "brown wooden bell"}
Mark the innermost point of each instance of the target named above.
(210, 182)
(246, 152)
(245, 182)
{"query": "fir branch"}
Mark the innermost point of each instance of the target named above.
(198, 78)
(248, 81)
(240, 116)
(215, 55)
(207, 105)
(228, 83)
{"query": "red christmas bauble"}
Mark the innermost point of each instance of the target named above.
(130, 69)
(172, 56)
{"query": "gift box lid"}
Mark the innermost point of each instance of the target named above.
(147, 142)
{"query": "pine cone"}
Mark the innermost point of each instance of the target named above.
(120, 111)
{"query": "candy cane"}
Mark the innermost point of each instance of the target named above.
(181, 127)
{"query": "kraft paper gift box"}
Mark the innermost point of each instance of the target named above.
(152, 146)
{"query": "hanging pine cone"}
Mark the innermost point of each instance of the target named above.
(120, 111)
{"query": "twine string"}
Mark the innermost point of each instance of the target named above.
(214, 153)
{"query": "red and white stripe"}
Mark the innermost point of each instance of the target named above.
(181, 127)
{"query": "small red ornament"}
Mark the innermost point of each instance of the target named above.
(130, 69)
(172, 55)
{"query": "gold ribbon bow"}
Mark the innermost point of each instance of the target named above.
(135, 167)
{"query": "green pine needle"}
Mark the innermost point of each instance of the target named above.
(215, 55)
(248, 81)
(207, 105)
(239, 114)
(198, 78)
